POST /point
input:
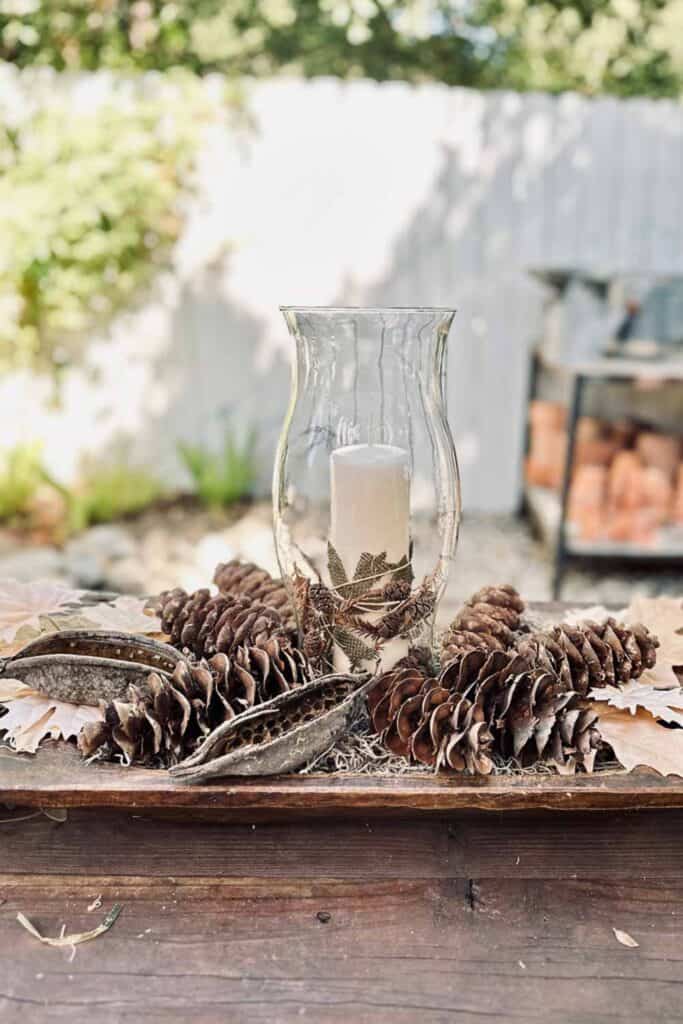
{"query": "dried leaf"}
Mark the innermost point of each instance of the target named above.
(77, 937)
(625, 939)
(663, 616)
(639, 740)
(23, 604)
(124, 615)
(667, 705)
(31, 717)
(402, 570)
(335, 566)
(353, 647)
(369, 569)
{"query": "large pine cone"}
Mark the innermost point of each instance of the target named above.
(206, 625)
(488, 621)
(166, 723)
(245, 579)
(480, 705)
(592, 654)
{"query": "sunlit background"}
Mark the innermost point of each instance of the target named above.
(171, 172)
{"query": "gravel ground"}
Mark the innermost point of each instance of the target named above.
(180, 546)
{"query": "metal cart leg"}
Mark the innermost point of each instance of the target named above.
(561, 554)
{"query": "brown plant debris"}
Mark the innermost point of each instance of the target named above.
(76, 938)
(625, 939)
(360, 612)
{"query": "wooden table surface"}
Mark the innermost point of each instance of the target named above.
(368, 901)
(470, 916)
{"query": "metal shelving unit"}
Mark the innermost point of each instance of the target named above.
(550, 511)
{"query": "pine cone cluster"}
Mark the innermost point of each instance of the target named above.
(488, 621)
(483, 704)
(245, 579)
(206, 625)
(165, 722)
(592, 654)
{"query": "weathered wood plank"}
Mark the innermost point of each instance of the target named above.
(645, 844)
(56, 777)
(439, 951)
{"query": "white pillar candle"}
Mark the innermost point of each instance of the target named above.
(370, 499)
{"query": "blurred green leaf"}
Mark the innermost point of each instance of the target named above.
(224, 477)
(21, 474)
(82, 193)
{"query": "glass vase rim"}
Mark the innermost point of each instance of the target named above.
(368, 309)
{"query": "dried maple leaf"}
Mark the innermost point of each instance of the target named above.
(667, 705)
(663, 616)
(124, 615)
(31, 717)
(638, 739)
(23, 604)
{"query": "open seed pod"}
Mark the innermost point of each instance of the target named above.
(280, 735)
(83, 666)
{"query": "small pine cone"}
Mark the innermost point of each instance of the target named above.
(316, 645)
(322, 601)
(592, 654)
(205, 625)
(244, 579)
(396, 590)
(488, 621)
(417, 657)
(407, 615)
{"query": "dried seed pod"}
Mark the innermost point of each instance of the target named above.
(281, 735)
(89, 666)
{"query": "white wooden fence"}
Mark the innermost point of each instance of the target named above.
(363, 193)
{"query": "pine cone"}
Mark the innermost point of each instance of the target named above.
(488, 621)
(165, 723)
(244, 579)
(592, 654)
(205, 625)
(480, 705)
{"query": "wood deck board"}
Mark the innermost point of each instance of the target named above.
(57, 778)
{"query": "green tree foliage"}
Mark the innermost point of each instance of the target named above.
(621, 46)
(624, 47)
(89, 207)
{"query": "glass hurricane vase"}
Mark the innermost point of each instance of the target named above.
(366, 494)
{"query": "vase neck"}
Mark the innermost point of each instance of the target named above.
(365, 365)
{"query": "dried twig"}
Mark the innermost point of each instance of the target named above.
(77, 937)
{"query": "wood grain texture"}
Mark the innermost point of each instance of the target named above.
(56, 777)
(478, 918)
(645, 844)
(389, 951)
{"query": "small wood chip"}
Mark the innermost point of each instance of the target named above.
(77, 937)
(625, 939)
